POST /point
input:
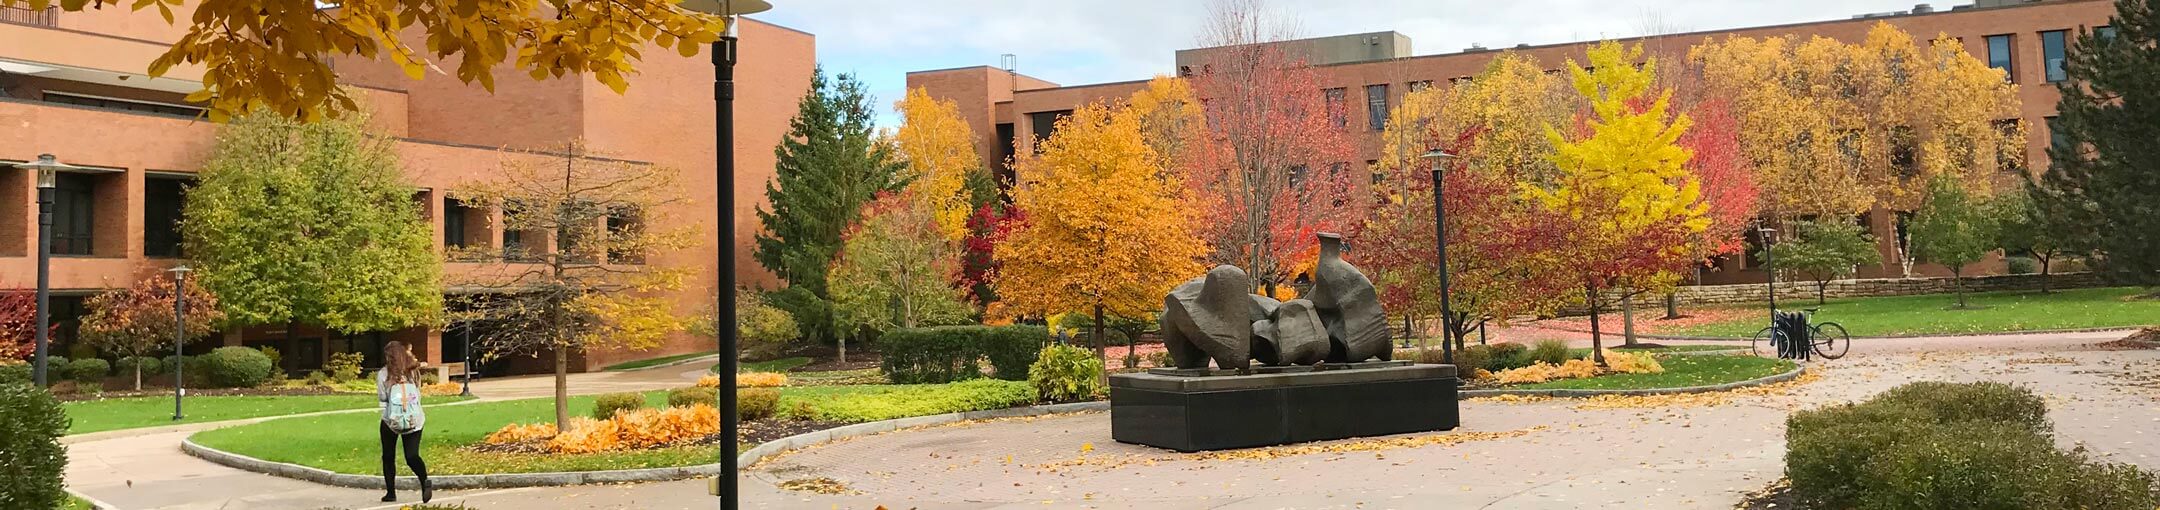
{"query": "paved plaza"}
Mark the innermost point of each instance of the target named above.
(1657, 452)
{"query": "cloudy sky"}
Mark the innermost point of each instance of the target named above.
(1090, 41)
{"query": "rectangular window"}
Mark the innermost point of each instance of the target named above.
(2000, 56)
(1005, 140)
(623, 224)
(2056, 138)
(74, 218)
(1044, 124)
(2052, 54)
(1376, 108)
(1420, 85)
(162, 198)
(1338, 111)
(514, 243)
(1373, 166)
(109, 103)
(2104, 32)
(454, 216)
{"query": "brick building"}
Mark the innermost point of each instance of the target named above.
(73, 84)
(1375, 70)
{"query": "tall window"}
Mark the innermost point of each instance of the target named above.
(623, 222)
(514, 245)
(2000, 56)
(74, 205)
(454, 213)
(1376, 106)
(162, 197)
(2052, 53)
(2056, 138)
(1338, 113)
(1044, 124)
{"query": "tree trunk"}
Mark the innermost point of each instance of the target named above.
(1099, 356)
(292, 339)
(2044, 271)
(1957, 280)
(1597, 339)
(562, 388)
(1627, 318)
(1821, 287)
(1672, 305)
(1481, 332)
(1409, 330)
(138, 375)
(843, 346)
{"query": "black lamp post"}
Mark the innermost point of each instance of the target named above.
(723, 59)
(465, 330)
(48, 174)
(1447, 333)
(179, 311)
(1769, 268)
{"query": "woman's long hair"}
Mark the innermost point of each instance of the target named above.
(398, 363)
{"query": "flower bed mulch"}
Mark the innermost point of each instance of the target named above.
(751, 432)
(2147, 338)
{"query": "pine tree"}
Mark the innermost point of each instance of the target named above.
(828, 166)
(2100, 187)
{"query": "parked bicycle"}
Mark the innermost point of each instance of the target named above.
(1826, 339)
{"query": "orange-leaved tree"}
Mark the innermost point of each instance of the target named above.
(940, 152)
(1104, 229)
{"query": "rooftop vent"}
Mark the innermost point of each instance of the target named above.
(1522, 46)
(1475, 47)
(1923, 9)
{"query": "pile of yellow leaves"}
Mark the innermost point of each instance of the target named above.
(747, 380)
(515, 433)
(709, 381)
(643, 428)
(1633, 363)
(1542, 371)
(442, 389)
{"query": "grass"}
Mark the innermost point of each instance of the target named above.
(1680, 371)
(75, 503)
(135, 412)
(1995, 312)
(873, 402)
(663, 360)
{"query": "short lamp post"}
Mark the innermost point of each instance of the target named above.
(466, 331)
(1770, 268)
(48, 171)
(723, 59)
(179, 311)
(1439, 159)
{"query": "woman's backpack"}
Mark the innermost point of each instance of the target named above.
(402, 412)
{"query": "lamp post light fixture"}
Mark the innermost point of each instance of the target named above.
(1439, 158)
(723, 59)
(48, 171)
(179, 310)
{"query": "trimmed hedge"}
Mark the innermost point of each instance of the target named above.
(605, 406)
(1940, 445)
(30, 471)
(691, 396)
(755, 403)
(89, 370)
(231, 367)
(956, 353)
(1065, 373)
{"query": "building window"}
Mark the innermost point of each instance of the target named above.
(2000, 56)
(1044, 124)
(109, 103)
(2104, 33)
(74, 218)
(1338, 112)
(2051, 54)
(623, 224)
(515, 248)
(162, 197)
(1373, 166)
(1376, 106)
(2056, 138)
(1420, 85)
(454, 216)
(1005, 140)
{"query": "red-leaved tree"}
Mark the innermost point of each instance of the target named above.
(987, 227)
(138, 320)
(1726, 176)
(18, 324)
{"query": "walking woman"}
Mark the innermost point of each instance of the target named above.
(397, 386)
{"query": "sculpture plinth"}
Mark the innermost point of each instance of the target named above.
(1191, 413)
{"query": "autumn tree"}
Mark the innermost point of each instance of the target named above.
(2099, 186)
(830, 163)
(939, 149)
(895, 269)
(1104, 231)
(991, 224)
(138, 320)
(1276, 169)
(1624, 177)
(279, 56)
(597, 285)
(1503, 257)
(1171, 122)
(1824, 251)
(1952, 228)
(18, 324)
(311, 223)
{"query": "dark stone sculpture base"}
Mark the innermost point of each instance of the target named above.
(1216, 412)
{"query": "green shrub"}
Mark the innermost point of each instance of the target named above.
(686, 397)
(56, 366)
(605, 406)
(2020, 265)
(955, 353)
(1064, 373)
(232, 367)
(1986, 401)
(90, 370)
(813, 315)
(1549, 351)
(919, 400)
(762, 329)
(30, 475)
(14, 373)
(318, 378)
(277, 359)
(150, 366)
(1507, 355)
(753, 403)
(1161, 359)
(345, 366)
(1475, 356)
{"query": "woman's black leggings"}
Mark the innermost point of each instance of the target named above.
(389, 456)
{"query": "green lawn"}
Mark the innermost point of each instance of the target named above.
(1680, 371)
(75, 503)
(778, 365)
(128, 413)
(1929, 314)
(633, 365)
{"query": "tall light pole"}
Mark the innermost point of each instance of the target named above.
(723, 59)
(48, 171)
(179, 312)
(1769, 268)
(465, 330)
(1439, 158)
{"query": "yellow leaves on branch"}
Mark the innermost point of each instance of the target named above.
(940, 152)
(1629, 172)
(1104, 226)
(280, 56)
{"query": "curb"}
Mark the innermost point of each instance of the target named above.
(513, 480)
(1759, 381)
(1685, 338)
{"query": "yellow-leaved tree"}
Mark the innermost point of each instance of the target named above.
(1105, 230)
(940, 152)
(277, 56)
(1622, 178)
(1171, 122)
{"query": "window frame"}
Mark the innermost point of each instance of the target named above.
(2009, 54)
(153, 243)
(2053, 59)
(74, 230)
(1376, 106)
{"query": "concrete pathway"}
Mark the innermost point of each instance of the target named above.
(1548, 454)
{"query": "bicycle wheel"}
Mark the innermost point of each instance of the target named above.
(1831, 340)
(1760, 343)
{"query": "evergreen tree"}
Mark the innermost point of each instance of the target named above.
(829, 165)
(2101, 180)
